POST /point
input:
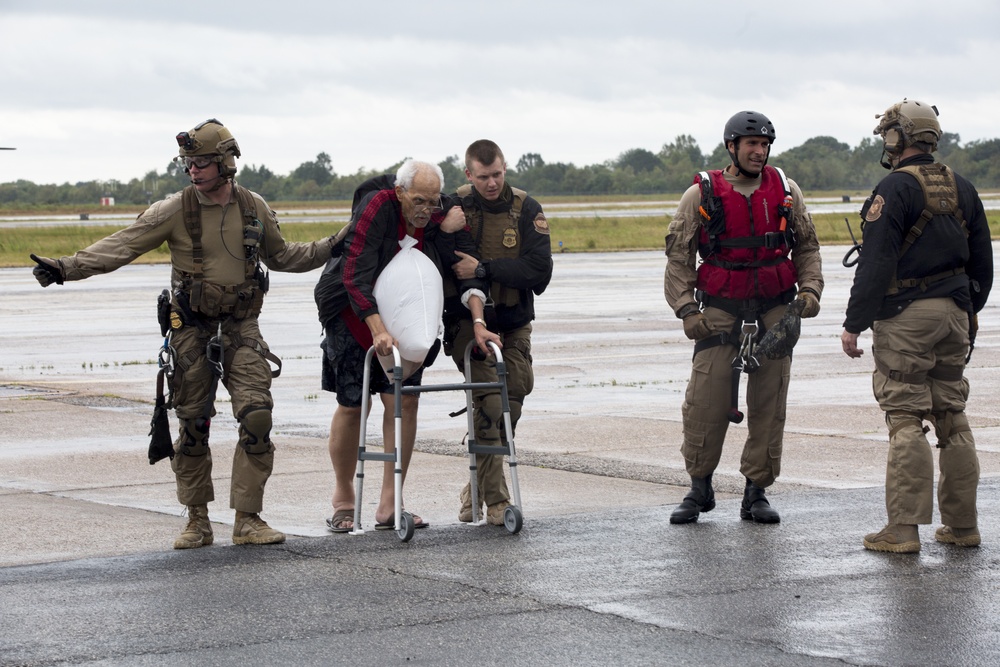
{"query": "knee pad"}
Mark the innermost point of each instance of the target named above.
(488, 415)
(899, 419)
(947, 424)
(194, 437)
(255, 431)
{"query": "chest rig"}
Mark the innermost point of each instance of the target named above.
(209, 299)
(497, 236)
(940, 198)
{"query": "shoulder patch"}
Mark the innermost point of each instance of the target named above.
(875, 210)
(541, 224)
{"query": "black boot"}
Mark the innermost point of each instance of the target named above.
(756, 507)
(701, 498)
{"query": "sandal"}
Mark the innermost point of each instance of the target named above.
(340, 517)
(390, 523)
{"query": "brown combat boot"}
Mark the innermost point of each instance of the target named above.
(494, 513)
(198, 531)
(251, 529)
(960, 537)
(465, 514)
(898, 538)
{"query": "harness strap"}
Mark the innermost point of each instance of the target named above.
(192, 222)
(947, 373)
(947, 424)
(940, 373)
(900, 376)
(258, 347)
(744, 308)
(724, 338)
(940, 198)
(904, 419)
(236, 341)
(738, 266)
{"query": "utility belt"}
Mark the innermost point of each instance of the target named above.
(212, 301)
(182, 314)
(926, 281)
(747, 309)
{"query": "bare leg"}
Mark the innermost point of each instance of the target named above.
(387, 500)
(345, 428)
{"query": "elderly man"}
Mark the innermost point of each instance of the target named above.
(387, 210)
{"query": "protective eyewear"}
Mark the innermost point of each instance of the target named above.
(202, 162)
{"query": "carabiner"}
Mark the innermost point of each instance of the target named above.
(214, 353)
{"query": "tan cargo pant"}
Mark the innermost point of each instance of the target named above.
(488, 417)
(248, 379)
(928, 336)
(707, 401)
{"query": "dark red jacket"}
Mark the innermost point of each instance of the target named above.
(372, 241)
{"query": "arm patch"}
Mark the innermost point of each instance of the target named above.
(541, 224)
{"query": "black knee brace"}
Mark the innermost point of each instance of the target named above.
(255, 430)
(194, 437)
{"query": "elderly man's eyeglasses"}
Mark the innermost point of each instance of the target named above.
(422, 204)
(201, 162)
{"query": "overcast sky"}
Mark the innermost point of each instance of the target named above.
(97, 90)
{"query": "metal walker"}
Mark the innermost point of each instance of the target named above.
(405, 527)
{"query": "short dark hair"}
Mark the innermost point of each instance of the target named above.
(483, 151)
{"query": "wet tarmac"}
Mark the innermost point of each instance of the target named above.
(597, 575)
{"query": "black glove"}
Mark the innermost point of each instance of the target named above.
(48, 271)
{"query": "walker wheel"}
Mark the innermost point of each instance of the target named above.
(406, 527)
(513, 521)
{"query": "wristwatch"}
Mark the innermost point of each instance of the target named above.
(479, 320)
(481, 271)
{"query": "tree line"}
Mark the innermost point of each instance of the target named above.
(819, 164)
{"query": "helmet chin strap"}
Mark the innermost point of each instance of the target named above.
(739, 167)
(221, 180)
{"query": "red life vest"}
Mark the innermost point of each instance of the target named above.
(745, 254)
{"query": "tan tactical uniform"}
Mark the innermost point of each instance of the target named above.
(247, 373)
(707, 399)
(912, 354)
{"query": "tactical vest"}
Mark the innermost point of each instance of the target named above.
(745, 242)
(940, 190)
(497, 236)
(212, 300)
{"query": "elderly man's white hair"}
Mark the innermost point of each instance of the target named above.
(409, 169)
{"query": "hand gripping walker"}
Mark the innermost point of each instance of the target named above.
(404, 524)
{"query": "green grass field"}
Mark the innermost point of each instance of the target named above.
(575, 234)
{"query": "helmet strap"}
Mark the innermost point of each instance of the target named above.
(736, 161)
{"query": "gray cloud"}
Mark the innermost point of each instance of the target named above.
(99, 89)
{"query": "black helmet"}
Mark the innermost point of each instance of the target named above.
(748, 124)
